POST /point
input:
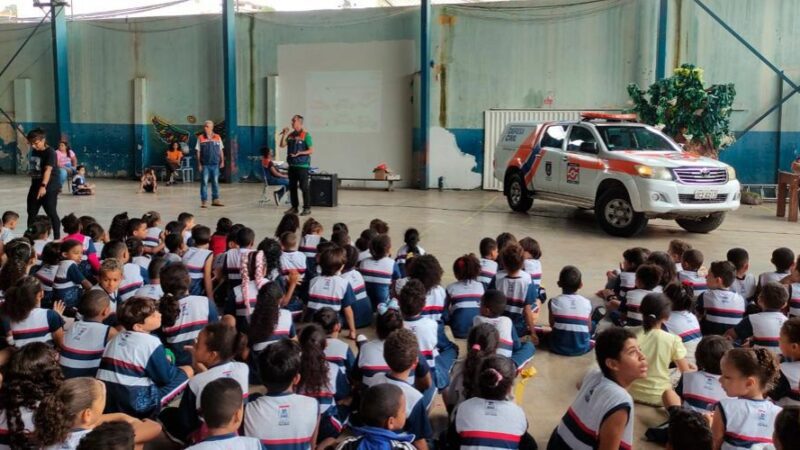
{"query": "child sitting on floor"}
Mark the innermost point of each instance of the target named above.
(79, 184)
(383, 415)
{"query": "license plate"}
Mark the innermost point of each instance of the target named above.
(705, 194)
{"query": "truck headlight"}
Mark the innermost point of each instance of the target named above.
(731, 173)
(655, 173)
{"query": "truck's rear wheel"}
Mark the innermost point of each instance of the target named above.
(519, 199)
(702, 224)
(616, 215)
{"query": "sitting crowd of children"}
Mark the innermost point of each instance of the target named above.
(216, 340)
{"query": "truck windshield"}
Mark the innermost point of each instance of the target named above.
(633, 138)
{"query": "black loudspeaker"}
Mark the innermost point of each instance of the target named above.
(324, 189)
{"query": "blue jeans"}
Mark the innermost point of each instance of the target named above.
(64, 173)
(213, 173)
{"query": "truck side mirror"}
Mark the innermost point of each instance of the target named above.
(589, 147)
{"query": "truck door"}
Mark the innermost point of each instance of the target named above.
(547, 168)
(580, 164)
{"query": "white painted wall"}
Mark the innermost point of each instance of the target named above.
(356, 100)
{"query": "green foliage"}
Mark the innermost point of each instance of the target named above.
(690, 113)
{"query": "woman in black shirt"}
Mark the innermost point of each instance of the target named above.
(43, 192)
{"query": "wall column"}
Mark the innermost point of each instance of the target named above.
(61, 70)
(142, 154)
(425, 92)
(229, 63)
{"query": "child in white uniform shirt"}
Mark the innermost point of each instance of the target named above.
(223, 412)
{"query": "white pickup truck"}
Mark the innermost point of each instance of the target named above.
(627, 172)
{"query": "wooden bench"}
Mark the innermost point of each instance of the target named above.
(390, 182)
(788, 185)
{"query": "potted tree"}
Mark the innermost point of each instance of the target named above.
(695, 116)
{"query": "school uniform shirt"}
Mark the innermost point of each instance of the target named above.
(598, 398)
(89, 258)
(572, 326)
(489, 424)
(153, 237)
(794, 300)
(132, 280)
(693, 280)
(685, 325)
(402, 256)
(379, 271)
(227, 442)
(189, 406)
(370, 363)
(141, 261)
(138, 377)
(172, 258)
(241, 303)
(339, 353)
(700, 391)
(745, 286)
(308, 246)
(520, 291)
(232, 265)
(661, 349)
(364, 255)
(282, 421)
(46, 274)
(627, 282)
(37, 327)
(195, 261)
(67, 283)
(293, 261)
(113, 296)
(488, 271)
(38, 247)
(330, 291)
(533, 267)
(284, 330)
(336, 389)
(764, 328)
(27, 423)
(747, 422)
(631, 305)
(435, 303)
(362, 308)
(766, 277)
(417, 421)
(723, 309)
(195, 313)
(151, 291)
(84, 344)
(427, 332)
(6, 235)
(71, 442)
(787, 389)
(505, 330)
(464, 303)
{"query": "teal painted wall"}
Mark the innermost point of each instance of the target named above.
(564, 57)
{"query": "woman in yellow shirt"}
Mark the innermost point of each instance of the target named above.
(174, 155)
(660, 348)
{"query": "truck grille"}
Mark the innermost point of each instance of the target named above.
(689, 198)
(701, 175)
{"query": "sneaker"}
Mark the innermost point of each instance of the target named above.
(217, 202)
(291, 210)
(204, 205)
(306, 211)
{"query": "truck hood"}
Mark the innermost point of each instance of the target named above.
(667, 159)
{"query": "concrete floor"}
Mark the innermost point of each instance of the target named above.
(451, 224)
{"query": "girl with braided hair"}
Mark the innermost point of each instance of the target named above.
(20, 257)
(33, 374)
(748, 418)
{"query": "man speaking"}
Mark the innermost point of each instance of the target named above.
(299, 148)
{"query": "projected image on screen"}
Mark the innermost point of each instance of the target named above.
(344, 101)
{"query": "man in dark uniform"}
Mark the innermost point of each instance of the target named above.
(299, 148)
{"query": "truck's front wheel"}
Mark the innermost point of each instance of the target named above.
(703, 224)
(616, 215)
(519, 199)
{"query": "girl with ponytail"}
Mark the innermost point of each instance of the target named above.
(748, 418)
(182, 315)
(20, 257)
(482, 342)
(660, 348)
(322, 379)
(490, 411)
(64, 418)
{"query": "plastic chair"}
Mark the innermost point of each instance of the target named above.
(186, 170)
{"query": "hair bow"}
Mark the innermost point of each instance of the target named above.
(384, 307)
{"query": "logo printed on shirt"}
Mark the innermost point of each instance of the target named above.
(283, 415)
(491, 408)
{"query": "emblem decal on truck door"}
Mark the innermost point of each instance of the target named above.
(573, 173)
(548, 169)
